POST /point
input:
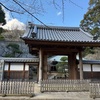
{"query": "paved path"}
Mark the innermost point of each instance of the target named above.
(54, 96)
(64, 96)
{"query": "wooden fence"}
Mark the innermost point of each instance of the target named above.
(95, 90)
(16, 88)
(27, 88)
(64, 85)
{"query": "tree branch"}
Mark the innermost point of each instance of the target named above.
(10, 9)
(56, 5)
(30, 13)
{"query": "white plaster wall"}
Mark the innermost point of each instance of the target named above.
(26, 67)
(86, 67)
(96, 68)
(6, 66)
(16, 66)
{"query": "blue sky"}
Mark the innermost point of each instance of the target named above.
(72, 14)
(52, 16)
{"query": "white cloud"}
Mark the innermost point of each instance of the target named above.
(59, 13)
(14, 24)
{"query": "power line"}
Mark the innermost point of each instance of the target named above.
(10, 9)
(75, 4)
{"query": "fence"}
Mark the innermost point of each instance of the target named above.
(27, 87)
(64, 85)
(16, 88)
(95, 90)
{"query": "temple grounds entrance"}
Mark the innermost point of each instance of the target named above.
(55, 40)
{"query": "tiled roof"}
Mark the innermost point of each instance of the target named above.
(91, 61)
(55, 33)
(20, 59)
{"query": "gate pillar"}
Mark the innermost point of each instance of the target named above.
(73, 69)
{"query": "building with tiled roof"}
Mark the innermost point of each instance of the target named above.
(45, 41)
(58, 34)
(22, 69)
(18, 68)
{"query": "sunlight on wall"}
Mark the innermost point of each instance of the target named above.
(16, 66)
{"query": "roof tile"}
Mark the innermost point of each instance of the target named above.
(55, 33)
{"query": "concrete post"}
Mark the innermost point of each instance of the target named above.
(80, 65)
(40, 65)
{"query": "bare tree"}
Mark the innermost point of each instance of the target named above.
(33, 7)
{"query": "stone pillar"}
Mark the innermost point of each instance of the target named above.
(80, 65)
(1, 69)
(72, 66)
(40, 65)
(45, 67)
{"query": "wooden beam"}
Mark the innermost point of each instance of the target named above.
(45, 67)
(57, 51)
(8, 76)
(60, 50)
(62, 43)
(38, 72)
(91, 71)
(23, 71)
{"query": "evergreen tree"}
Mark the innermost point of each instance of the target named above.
(91, 20)
(13, 50)
(2, 20)
(62, 65)
(2, 16)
